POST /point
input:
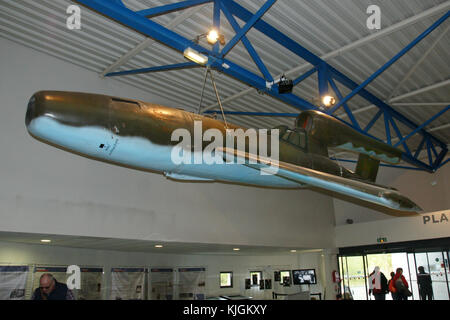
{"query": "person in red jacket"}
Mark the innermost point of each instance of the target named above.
(401, 285)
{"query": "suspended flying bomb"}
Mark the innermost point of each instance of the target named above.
(147, 137)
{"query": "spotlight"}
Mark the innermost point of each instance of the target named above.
(328, 101)
(213, 36)
(195, 56)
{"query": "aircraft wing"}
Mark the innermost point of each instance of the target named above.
(358, 189)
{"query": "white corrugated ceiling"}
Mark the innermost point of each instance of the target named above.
(321, 26)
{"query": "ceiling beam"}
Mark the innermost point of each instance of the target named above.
(359, 88)
(180, 43)
(148, 41)
(445, 126)
(422, 90)
(420, 104)
(403, 96)
(417, 64)
(363, 41)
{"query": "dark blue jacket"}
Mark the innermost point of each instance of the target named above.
(59, 293)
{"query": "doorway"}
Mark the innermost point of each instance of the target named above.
(355, 270)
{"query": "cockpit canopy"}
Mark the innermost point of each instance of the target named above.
(296, 137)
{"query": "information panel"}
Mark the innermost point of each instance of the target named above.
(13, 281)
(91, 284)
(192, 283)
(127, 283)
(161, 280)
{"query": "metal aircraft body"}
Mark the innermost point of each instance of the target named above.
(138, 134)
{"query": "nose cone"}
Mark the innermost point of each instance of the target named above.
(69, 108)
(32, 109)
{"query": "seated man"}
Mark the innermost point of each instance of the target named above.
(50, 289)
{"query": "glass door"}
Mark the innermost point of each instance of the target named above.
(447, 265)
(355, 271)
(438, 274)
(416, 260)
(384, 262)
(353, 277)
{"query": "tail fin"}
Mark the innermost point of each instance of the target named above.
(367, 167)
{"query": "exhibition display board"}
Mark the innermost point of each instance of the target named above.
(191, 283)
(162, 280)
(91, 284)
(13, 281)
(128, 283)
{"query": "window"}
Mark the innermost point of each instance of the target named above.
(226, 279)
(302, 138)
(297, 137)
(255, 277)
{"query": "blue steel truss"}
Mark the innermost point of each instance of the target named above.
(327, 75)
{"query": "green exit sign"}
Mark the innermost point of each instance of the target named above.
(381, 240)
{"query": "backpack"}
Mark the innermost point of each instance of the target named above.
(392, 286)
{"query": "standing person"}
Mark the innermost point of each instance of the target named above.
(424, 282)
(50, 289)
(401, 285)
(378, 284)
(391, 286)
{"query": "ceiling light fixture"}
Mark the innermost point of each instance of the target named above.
(158, 246)
(293, 251)
(46, 241)
(213, 36)
(195, 56)
(328, 101)
(236, 249)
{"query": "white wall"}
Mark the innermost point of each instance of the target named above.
(46, 190)
(421, 227)
(431, 191)
(323, 262)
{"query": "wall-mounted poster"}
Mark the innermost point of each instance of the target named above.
(91, 284)
(13, 281)
(161, 280)
(268, 283)
(277, 276)
(128, 284)
(261, 284)
(248, 284)
(191, 283)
